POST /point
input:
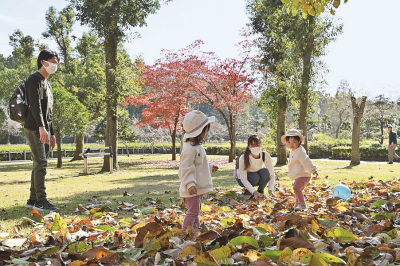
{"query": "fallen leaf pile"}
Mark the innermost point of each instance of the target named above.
(235, 230)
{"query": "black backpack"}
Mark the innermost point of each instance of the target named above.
(18, 105)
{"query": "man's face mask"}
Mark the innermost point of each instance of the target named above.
(51, 68)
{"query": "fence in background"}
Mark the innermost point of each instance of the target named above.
(26, 155)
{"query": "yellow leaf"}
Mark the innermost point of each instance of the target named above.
(205, 259)
(315, 226)
(77, 263)
(59, 224)
(187, 251)
(139, 225)
(225, 209)
(267, 227)
(205, 208)
(244, 217)
(329, 217)
(317, 261)
(285, 253)
(221, 253)
(303, 5)
(336, 3)
(311, 10)
(254, 255)
(299, 253)
(398, 257)
(341, 207)
(228, 222)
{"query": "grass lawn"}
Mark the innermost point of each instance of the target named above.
(144, 178)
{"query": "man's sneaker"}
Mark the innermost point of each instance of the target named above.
(45, 205)
(30, 203)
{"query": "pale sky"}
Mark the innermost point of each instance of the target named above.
(366, 54)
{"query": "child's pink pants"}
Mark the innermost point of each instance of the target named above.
(298, 186)
(193, 205)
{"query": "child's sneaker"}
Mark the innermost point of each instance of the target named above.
(45, 205)
(301, 206)
(30, 203)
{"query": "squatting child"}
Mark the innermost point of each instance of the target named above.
(194, 170)
(300, 166)
(255, 169)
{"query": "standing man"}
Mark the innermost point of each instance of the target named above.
(392, 145)
(39, 126)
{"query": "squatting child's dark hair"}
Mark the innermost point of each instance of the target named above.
(253, 139)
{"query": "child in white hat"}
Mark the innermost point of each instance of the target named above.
(194, 170)
(300, 166)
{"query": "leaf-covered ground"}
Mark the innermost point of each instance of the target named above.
(235, 230)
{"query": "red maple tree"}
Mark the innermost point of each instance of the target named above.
(226, 84)
(192, 75)
(167, 98)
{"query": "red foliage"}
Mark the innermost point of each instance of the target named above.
(192, 75)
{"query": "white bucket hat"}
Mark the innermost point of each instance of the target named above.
(194, 122)
(292, 133)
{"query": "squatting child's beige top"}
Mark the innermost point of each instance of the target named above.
(255, 166)
(300, 164)
(194, 170)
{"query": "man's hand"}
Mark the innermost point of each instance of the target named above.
(214, 169)
(52, 142)
(391, 145)
(192, 190)
(44, 135)
(257, 195)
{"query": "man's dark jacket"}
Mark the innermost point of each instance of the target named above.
(392, 137)
(40, 101)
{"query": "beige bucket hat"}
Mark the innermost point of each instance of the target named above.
(292, 133)
(194, 122)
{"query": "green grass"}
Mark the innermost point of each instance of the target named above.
(146, 178)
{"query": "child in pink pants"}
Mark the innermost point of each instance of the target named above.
(194, 170)
(300, 166)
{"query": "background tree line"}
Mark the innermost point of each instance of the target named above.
(276, 82)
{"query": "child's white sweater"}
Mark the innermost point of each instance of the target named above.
(194, 170)
(300, 164)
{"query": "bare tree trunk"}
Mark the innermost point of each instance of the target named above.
(79, 144)
(232, 138)
(59, 152)
(305, 80)
(358, 111)
(110, 47)
(173, 137)
(338, 126)
(280, 128)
